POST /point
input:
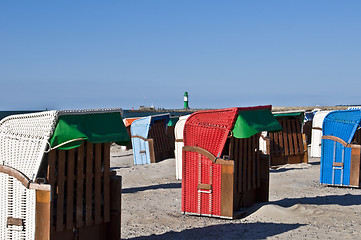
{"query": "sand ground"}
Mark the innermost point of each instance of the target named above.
(299, 207)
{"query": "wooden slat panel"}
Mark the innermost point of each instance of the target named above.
(234, 148)
(89, 184)
(97, 184)
(106, 162)
(158, 143)
(254, 158)
(60, 192)
(51, 168)
(80, 187)
(277, 147)
(161, 143)
(234, 154)
(357, 137)
(271, 144)
(299, 137)
(290, 137)
(162, 136)
(245, 165)
(250, 163)
(275, 144)
(258, 164)
(285, 137)
(294, 136)
(51, 179)
(240, 164)
(231, 155)
(280, 140)
(153, 135)
(70, 190)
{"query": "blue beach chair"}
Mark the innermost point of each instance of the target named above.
(149, 139)
(340, 156)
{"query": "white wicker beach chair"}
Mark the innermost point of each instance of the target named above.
(178, 133)
(24, 141)
(316, 135)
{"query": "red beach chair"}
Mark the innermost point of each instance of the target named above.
(222, 167)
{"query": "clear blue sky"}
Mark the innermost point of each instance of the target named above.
(96, 54)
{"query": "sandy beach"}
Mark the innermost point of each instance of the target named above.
(299, 207)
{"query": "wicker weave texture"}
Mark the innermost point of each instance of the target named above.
(208, 130)
(23, 140)
(178, 133)
(316, 135)
(16, 202)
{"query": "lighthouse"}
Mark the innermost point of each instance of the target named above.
(186, 100)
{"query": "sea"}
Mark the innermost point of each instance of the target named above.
(126, 113)
(139, 113)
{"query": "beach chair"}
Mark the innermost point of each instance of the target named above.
(223, 169)
(178, 133)
(340, 158)
(149, 139)
(55, 178)
(128, 122)
(289, 145)
(307, 127)
(315, 150)
(170, 131)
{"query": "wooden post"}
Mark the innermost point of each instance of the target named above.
(305, 156)
(227, 190)
(42, 215)
(355, 167)
(151, 150)
(115, 208)
(263, 191)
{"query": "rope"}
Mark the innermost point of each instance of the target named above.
(62, 144)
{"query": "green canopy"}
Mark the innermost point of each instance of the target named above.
(299, 115)
(95, 128)
(173, 121)
(249, 123)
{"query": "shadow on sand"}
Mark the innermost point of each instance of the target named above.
(153, 187)
(279, 170)
(123, 155)
(229, 231)
(342, 200)
(315, 163)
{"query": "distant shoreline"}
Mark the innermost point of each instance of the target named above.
(129, 113)
(274, 108)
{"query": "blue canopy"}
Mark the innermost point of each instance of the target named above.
(141, 126)
(342, 124)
